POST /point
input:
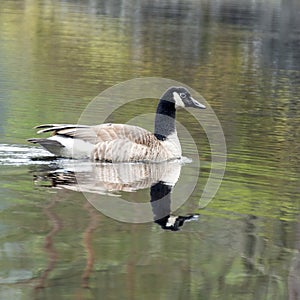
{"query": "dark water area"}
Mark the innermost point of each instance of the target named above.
(243, 57)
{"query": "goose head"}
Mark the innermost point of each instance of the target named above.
(181, 97)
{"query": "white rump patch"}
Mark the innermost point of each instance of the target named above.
(178, 100)
(73, 148)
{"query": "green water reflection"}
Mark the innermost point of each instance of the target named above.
(244, 58)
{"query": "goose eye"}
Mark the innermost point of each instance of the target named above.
(182, 95)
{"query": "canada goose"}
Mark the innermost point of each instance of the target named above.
(122, 142)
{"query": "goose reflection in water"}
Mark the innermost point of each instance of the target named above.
(108, 179)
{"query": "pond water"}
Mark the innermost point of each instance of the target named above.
(243, 57)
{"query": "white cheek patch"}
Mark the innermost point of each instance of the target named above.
(171, 221)
(178, 100)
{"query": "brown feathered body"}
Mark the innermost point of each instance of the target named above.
(108, 143)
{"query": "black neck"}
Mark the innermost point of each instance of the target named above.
(165, 119)
(161, 207)
(160, 194)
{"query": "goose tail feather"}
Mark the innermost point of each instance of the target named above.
(52, 146)
(56, 127)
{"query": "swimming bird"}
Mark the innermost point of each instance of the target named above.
(122, 142)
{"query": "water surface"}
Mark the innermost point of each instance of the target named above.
(244, 58)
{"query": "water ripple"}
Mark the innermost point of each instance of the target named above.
(16, 155)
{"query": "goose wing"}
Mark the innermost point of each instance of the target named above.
(101, 133)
